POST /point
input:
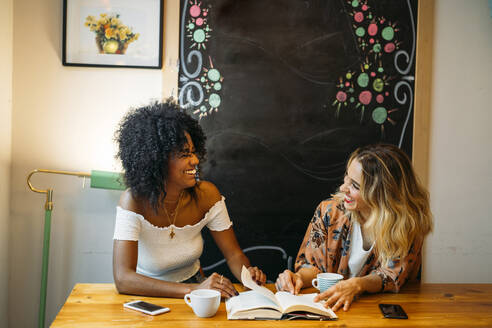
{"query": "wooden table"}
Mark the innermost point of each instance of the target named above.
(427, 305)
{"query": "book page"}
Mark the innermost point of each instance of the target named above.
(302, 302)
(249, 282)
(250, 300)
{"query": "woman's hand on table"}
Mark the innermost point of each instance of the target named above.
(220, 283)
(289, 281)
(257, 275)
(341, 295)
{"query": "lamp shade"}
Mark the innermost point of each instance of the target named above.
(107, 180)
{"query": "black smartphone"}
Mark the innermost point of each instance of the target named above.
(145, 307)
(393, 311)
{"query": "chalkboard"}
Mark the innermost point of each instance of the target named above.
(285, 90)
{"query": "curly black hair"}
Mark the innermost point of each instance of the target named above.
(146, 138)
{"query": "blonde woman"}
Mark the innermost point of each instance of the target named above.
(371, 231)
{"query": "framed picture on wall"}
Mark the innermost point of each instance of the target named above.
(112, 33)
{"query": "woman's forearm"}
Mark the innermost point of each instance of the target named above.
(235, 264)
(136, 284)
(370, 283)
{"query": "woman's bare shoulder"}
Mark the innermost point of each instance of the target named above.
(128, 202)
(208, 194)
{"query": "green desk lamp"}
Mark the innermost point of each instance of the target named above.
(99, 179)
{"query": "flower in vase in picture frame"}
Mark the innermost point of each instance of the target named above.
(112, 36)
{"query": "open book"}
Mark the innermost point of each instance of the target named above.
(261, 303)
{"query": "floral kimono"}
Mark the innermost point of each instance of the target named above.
(326, 246)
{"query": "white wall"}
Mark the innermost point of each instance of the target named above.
(63, 118)
(6, 26)
(460, 178)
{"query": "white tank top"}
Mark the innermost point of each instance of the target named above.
(358, 255)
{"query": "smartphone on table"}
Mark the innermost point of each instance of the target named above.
(145, 307)
(393, 311)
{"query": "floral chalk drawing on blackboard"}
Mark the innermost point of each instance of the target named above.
(112, 36)
(370, 87)
(200, 88)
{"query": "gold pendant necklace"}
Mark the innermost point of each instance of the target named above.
(175, 214)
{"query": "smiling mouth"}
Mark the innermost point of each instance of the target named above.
(191, 172)
(348, 200)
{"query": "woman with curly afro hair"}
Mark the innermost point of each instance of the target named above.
(157, 238)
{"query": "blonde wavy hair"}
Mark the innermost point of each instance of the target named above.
(399, 205)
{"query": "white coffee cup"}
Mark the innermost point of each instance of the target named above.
(204, 302)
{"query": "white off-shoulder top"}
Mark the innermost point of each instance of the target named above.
(161, 257)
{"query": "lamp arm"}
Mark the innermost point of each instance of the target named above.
(49, 192)
(78, 174)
